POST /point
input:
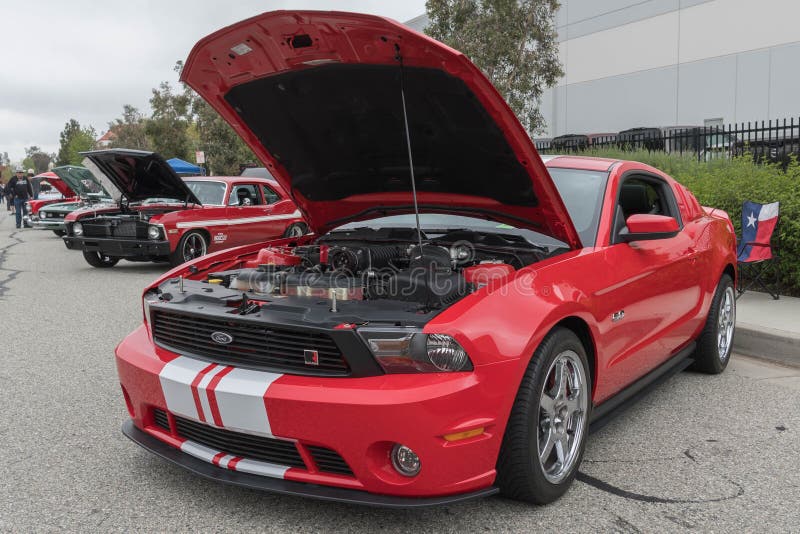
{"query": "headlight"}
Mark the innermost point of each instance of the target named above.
(77, 229)
(408, 350)
(42, 214)
(148, 298)
(153, 231)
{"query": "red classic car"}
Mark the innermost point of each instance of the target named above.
(456, 324)
(158, 216)
(59, 192)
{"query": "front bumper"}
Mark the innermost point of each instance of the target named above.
(287, 487)
(119, 248)
(48, 224)
(358, 418)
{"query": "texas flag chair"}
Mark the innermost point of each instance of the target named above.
(758, 250)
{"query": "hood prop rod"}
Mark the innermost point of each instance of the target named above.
(399, 58)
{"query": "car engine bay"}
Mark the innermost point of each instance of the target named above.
(363, 275)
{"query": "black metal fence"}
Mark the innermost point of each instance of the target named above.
(766, 141)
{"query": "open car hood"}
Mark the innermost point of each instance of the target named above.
(317, 96)
(137, 175)
(80, 180)
(57, 182)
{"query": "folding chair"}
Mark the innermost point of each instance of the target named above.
(758, 247)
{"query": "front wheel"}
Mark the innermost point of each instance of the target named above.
(716, 342)
(60, 233)
(192, 245)
(101, 261)
(546, 433)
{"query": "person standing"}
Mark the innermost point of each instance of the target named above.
(35, 181)
(20, 186)
(8, 196)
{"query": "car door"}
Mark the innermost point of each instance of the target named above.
(648, 290)
(246, 211)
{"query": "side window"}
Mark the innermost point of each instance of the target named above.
(270, 196)
(643, 195)
(244, 195)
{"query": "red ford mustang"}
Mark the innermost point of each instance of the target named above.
(398, 360)
(159, 216)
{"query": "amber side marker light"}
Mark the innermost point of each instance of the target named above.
(464, 435)
(214, 280)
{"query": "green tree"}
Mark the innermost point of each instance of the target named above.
(74, 139)
(36, 159)
(169, 122)
(223, 148)
(512, 41)
(130, 130)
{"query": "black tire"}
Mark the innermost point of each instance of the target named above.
(521, 473)
(60, 233)
(296, 230)
(712, 354)
(95, 259)
(192, 245)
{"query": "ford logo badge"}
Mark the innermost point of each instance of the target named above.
(221, 337)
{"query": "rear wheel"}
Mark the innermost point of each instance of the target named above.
(546, 432)
(716, 342)
(96, 259)
(192, 245)
(296, 230)
(60, 233)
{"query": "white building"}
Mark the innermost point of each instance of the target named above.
(632, 63)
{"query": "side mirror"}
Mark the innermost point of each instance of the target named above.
(645, 227)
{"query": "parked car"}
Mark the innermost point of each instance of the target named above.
(85, 190)
(157, 216)
(377, 361)
(579, 142)
(53, 189)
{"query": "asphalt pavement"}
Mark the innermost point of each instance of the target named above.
(706, 453)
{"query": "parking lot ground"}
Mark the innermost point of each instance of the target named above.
(706, 453)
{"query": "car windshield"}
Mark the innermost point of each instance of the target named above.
(582, 193)
(208, 193)
(435, 224)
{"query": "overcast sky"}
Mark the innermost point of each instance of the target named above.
(85, 59)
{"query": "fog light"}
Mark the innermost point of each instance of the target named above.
(405, 461)
(153, 232)
(77, 229)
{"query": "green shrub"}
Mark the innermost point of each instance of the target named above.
(726, 183)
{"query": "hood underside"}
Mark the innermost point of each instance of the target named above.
(80, 180)
(137, 175)
(319, 97)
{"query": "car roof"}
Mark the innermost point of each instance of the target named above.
(579, 162)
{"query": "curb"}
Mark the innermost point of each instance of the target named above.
(770, 344)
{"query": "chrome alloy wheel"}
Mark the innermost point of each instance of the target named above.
(193, 247)
(726, 321)
(563, 406)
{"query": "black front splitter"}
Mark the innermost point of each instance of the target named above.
(288, 487)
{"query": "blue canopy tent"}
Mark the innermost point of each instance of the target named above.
(184, 168)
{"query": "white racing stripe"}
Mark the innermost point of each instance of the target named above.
(176, 379)
(244, 465)
(261, 468)
(233, 222)
(199, 451)
(239, 395)
(240, 398)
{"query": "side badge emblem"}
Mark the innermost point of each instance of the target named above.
(311, 357)
(617, 316)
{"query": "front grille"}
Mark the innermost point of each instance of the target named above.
(161, 420)
(329, 461)
(270, 450)
(254, 346)
(126, 229)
